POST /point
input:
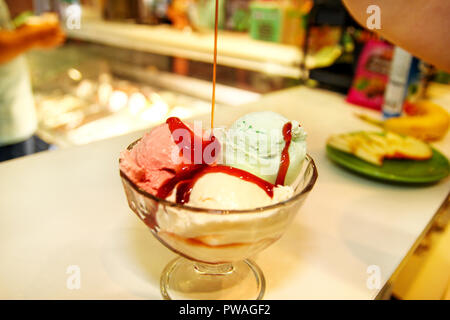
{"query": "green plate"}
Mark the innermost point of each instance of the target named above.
(403, 171)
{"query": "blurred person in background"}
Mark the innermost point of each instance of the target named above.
(18, 120)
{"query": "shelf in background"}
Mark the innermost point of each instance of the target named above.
(236, 50)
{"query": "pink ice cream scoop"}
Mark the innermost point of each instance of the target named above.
(157, 157)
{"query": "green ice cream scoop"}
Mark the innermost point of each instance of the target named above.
(255, 142)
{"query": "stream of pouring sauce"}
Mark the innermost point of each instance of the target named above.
(213, 102)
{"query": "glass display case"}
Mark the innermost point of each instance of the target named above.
(86, 92)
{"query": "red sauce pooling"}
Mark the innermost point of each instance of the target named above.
(190, 175)
(192, 149)
(284, 162)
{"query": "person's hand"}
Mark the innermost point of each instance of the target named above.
(36, 33)
(51, 38)
(44, 35)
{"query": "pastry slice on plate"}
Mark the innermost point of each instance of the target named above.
(374, 147)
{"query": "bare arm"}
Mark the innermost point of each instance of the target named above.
(15, 42)
(420, 26)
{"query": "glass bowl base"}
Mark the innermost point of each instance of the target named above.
(183, 279)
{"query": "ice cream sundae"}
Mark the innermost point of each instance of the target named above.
(219, 199)
(262, 156)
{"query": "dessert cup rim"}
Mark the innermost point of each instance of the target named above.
(308, 187)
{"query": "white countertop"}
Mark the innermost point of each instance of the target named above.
(68, 207)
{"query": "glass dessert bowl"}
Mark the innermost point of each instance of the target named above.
(215, 245)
